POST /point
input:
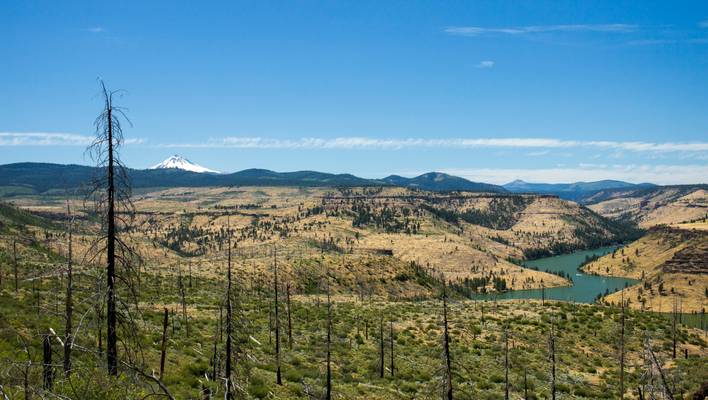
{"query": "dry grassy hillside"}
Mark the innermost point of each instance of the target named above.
(382, 233)
(657, 206)
(672, 264)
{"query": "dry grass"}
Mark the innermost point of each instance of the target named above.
(674, 258)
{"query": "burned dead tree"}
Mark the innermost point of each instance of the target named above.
(381, 347)
(278, 379)
(674, 321)
(48, 369)
(328, 393)
(552, 359)
(446, 347)
(290, 321)
(163, 347)
(111, 194)
(229, 326)
(14, 265)
(69, 309)
(391, 340)
(506, 362)
(621, 349)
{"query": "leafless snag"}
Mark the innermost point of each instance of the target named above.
(14, 264)
(163, 348)
(182, 295)
(446, 347)
(111, 193)
(278, 379)
(290, 322)
(506, 362)
(68, 338)
(48, 369)
(653, 368)
(391, 341)
(229, 327)
(552, 359)
(381, 347)
(621, 348)
(674, 318)
(328, 394)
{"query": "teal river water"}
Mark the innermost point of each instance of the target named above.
(585, 287)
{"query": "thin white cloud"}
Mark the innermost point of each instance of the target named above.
(51, 139)
(659, 174)
(651, 42)
(485, 64)
(520, 30)
(96, 29)
(452, 143)
(661, 42)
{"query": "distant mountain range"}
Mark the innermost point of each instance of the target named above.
(28, 178)
(577, 191)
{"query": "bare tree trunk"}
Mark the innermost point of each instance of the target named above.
(673, 329)
(290, 321)
(328, 394)
(26, 385)
(14, 263)
(112, 338)
(381, 348)
(526, 384)
(163, 348)
(391, 343)
(184, 303)
(48, 373)
(99, 323)
(552, 357)
(446, 347)
(656, 364)
(229, 327)
(68, 338)
(278, 379)
(622, 320)
(506, 363)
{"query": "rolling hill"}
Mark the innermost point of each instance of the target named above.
(662, 205)
(577, 191)
(37, 178)
(440, 182)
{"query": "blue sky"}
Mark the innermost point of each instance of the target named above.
(493, 91)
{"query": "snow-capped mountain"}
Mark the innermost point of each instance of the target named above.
(182, 163)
